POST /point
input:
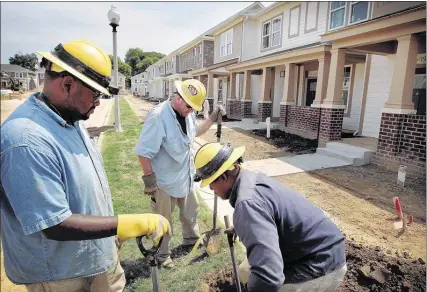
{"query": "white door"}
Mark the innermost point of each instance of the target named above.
(378, 92)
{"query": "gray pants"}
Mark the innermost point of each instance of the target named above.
(188, 210)
(327, 283)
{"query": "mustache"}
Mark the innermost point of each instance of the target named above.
(91, 108)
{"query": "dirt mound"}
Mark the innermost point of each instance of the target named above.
(293, 143)
(369, 269)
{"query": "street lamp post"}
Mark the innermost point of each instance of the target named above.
(114, 18)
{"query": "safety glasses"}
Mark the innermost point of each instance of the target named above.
(96, 95)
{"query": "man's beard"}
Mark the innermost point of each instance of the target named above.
(73, 115)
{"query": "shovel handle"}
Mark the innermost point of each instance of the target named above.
(149, 253)
(227, 221)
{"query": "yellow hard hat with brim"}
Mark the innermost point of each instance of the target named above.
(192, 91)
(213, 159)
(85, 61)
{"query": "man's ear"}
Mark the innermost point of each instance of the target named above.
(67, 83)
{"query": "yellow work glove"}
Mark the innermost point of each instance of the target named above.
(134, 225)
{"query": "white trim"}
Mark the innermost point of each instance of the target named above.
(367, 13)
(337, 106)
(399, 111)
(225, 40)
(330, 14)
(287, 103)
(264, 101)
(271, 32)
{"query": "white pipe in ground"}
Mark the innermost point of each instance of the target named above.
(267, 123)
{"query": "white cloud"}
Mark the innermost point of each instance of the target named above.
(152, 26)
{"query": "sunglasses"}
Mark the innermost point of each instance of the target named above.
(95, 93)
(186, 104)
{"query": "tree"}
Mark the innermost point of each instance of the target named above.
(28, 61)
(140, 60)
(124, 68)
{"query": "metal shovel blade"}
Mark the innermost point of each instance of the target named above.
(213, 241)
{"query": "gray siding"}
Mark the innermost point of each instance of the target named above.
(187, 60)
(236, 46)
(208, 53)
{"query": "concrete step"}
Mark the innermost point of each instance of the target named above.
(366, 153)
(355, 155)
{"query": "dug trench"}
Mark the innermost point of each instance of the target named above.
(369, 269)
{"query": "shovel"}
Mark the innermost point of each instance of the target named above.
(151, 254)
(233, 258)
(212, 240)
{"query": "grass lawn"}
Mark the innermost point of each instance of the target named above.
(124, 175)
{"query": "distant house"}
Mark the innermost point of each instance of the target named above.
(40, 76)
(121, 81)
(27, 79)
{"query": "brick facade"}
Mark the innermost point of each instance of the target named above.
(402, 141)
(300, 120)
(264, 110)
(246, 109)
(234, 109)
(330, 125)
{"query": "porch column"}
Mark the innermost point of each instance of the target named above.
(233, 105)
(332, 112)
(171, 89)
(402, 82)
(288, 98)
(233, 85)
(246, 102)
(264, 104)
(322, 80)
(402, 133)
(336, 77)
(210, 91)
(289, 83)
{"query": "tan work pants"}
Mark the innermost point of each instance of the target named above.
(111, 281)
(327, 283)
(188, 211)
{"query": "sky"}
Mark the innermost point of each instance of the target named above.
(28, 27)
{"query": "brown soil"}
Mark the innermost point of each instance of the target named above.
(360, 201)
(259, 147)
(369, 269)
(96, 131)
(139, 106)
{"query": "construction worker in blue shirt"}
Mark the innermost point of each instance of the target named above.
(165, 150)
(58, 228)
(291, 245)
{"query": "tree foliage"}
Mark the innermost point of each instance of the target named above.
(28, 61)
(124, 68)
(140, 60)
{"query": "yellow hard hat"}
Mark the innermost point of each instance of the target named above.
(192, 91)
(84, 60)
(213, 159)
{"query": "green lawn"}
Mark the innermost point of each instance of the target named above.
(124, 175)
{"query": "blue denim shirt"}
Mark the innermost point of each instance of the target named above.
(50, 170)
(171, 151)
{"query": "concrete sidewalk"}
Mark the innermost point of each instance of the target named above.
(272, 167)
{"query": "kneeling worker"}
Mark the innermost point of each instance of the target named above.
(291, 244)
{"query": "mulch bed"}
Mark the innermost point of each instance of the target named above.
(293, 143)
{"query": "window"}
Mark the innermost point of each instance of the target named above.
(200, 52)
(229, 42)
(346, 86)
(272, 33)
(337, 14)
(359, 11)
(266, 35)
(277, 28)
(226, 47)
